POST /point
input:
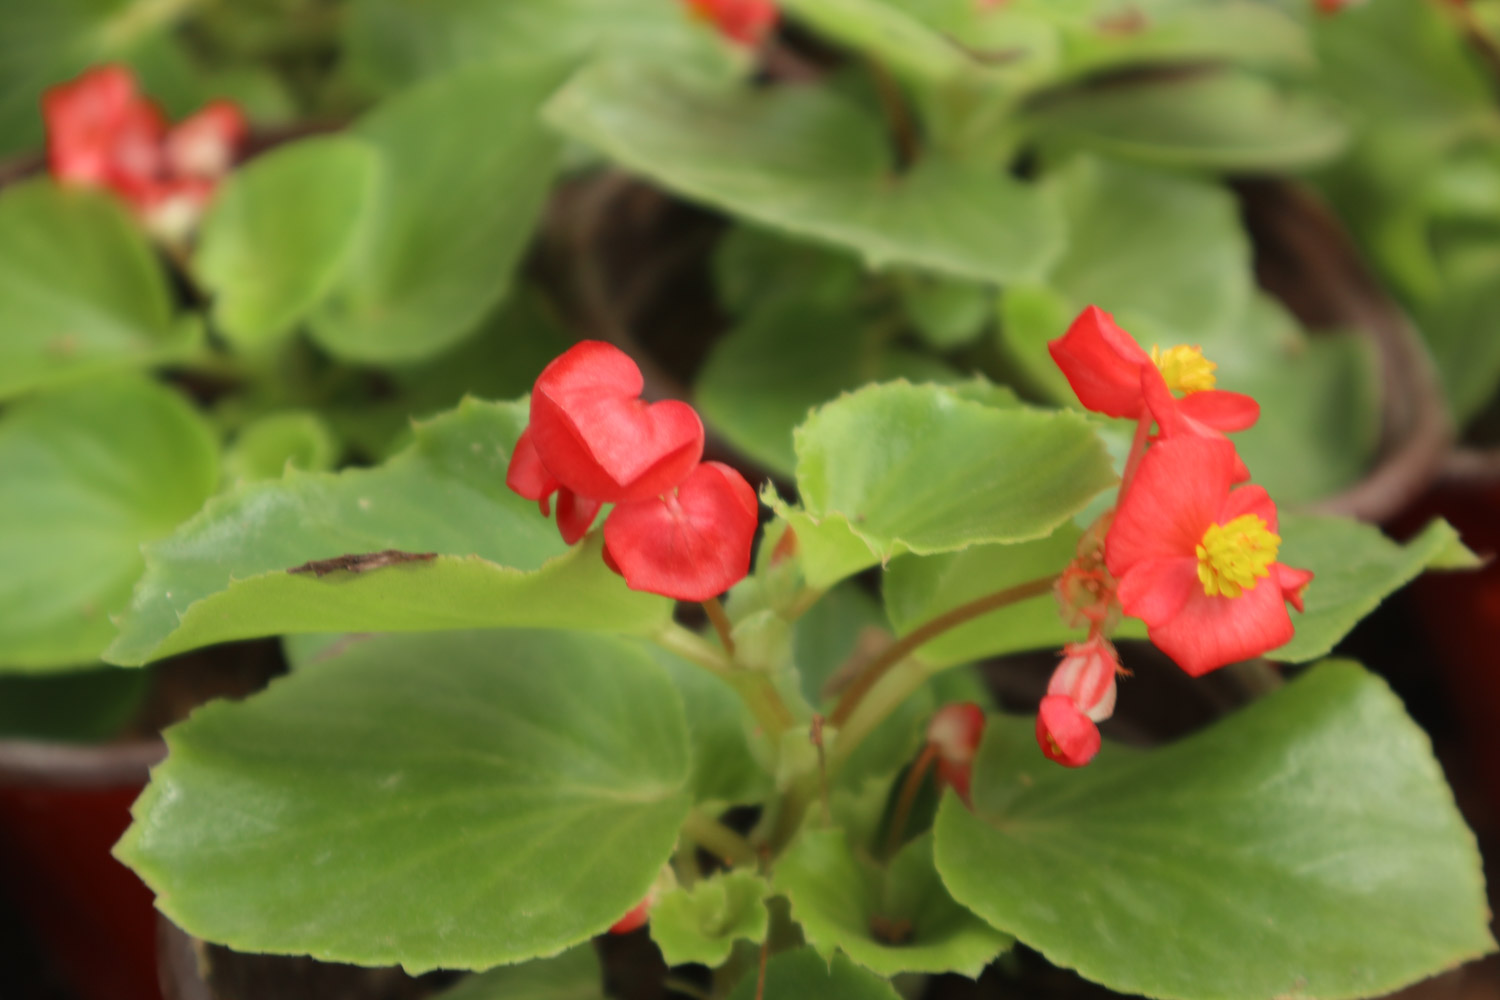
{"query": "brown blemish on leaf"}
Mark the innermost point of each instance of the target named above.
(362, 562)
(896, 932)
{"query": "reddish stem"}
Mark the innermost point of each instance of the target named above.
(908, 797)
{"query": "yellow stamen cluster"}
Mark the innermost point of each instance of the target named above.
(1185, 368)
(1233, 556)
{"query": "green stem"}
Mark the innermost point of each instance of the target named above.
(754, 688)
(896, 685)
(925, 633)
(718, 839)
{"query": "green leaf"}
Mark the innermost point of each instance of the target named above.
(573, 975)
(1242, 32)
(267, 447)
(461, 800)
(1305, 846)
(892, 920)
(702, 924)
(751, 265)
(1355, 567)
(391, 44)
(80, 290)
(224, 575)
(279, 232)
(805, 973)
(946, 313)
(1218, 120)
(919, 469)
(91, 474)
(919, 588)
(788, 356)
(726, 769)
(465, 170)
(806, 161)
(883, 31)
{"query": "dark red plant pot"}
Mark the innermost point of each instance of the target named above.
(61, 810)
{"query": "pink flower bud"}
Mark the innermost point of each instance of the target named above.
(1086, 676)
(955, 732)
(1064, 733)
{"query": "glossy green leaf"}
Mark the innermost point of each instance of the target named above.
(279, 232)
(394, 43)
(460, 800)
(91, 474)
(1241, 32)
(919, 469)
(465, 170)
(805, 973)
(803, 160)
(702, 923)
(891, 919)
(1305, 846)
(267, 447)
(498, 562)
(1355, 567)
(766, 374)
(1217, 120)
(573, 975)
(726, 769)
(80, 289)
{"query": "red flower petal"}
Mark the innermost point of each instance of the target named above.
(1156, 589)
(83, 118)
(1220, 410)
(1292, 583)
(599, 439)
(1175, 421)
(527, 475)
(744, 21)
(1177, 492)
(958, 777)
(1102, 364)
(691, 545)
(1248, 500)
(1064, 733)
(575, 514)
(634, 920)
(204, 144)
(1211, 631)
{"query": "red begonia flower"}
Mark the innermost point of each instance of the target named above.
(86, 118)
(691, 543)
(1064, 733)
(597, 437)
(955, 732)
(527, 476)
(634, 920)
(1102, 363)
(203, 145)
(1195, 416)
(1108, 371)
(745, 21)
(1195, 560)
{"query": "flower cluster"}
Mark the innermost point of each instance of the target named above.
(102, 133)
(747, 22)
(680, 526)
(1186, 550)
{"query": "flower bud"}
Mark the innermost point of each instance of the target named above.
(635, 919)
(955, 732)
(1086, 677)
(1065, 734)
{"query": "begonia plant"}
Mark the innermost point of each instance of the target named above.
(708, 473)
